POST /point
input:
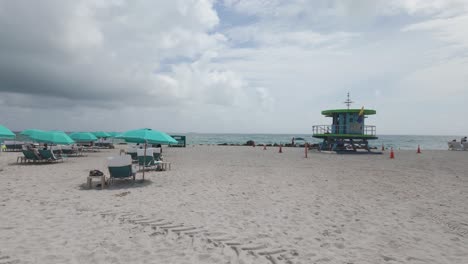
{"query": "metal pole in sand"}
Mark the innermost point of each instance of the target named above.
(144, 160)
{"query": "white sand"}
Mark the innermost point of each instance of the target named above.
(279, 208)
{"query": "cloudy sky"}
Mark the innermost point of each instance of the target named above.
(242, 66)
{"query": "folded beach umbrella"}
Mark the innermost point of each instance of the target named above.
(6, 133)
(101, 134)
(83, 137)
(52, 137)
(146, 135)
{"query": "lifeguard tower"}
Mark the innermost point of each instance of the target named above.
(348, 132)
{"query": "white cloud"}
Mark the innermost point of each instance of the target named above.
(267, 102)
(431, 7)
(275, 9)
(263, 35)
(113, 50)
(438, 82)
(451, 30)
(200, 83)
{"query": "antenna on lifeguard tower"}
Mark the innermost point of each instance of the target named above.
(348, 102)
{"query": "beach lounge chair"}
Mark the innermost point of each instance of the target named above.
(157, 154)
(133, 155)
(158, 160)
(132, 151)
(48, 155)
(120, 167)
(71, 150)
(68, 150)
(105, 143)
(453, 145)
(28, 157)
(56, 149)
(148, 161)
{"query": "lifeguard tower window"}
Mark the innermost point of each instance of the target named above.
(181, 141)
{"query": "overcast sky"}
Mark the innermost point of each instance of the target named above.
(241, 66)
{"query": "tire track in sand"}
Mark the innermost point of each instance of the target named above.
(241, 248)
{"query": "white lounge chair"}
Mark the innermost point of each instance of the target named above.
(120, 167)
(69, 150)
(147, 161)
(157, 154)
(132, 151)
(453, 145)
(56, 149)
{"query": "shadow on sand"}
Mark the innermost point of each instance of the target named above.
(117, 185)
(35, 163)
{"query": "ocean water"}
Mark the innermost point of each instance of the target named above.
(395, 141)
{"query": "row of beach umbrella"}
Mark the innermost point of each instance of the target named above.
(144, 135)
(60, 137)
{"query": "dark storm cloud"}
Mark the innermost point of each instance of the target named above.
(38, 58)
(37, 76)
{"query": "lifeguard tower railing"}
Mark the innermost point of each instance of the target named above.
(337, 129)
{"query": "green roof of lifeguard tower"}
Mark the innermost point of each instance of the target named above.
(330, 113)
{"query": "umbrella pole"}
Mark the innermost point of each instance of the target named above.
(144, 162)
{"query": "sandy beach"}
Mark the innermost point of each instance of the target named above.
(240, 205)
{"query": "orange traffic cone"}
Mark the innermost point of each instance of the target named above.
(392, 155)
(264, 147)
(419, 150)
(280, 149)
(383, 148)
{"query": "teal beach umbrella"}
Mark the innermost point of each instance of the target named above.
(83, 137)
(170, 139)
(113, 134)
(30, 132)
(146, 135)
(52, 137)
(59, 131)
(101, 134)
(6, 133)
